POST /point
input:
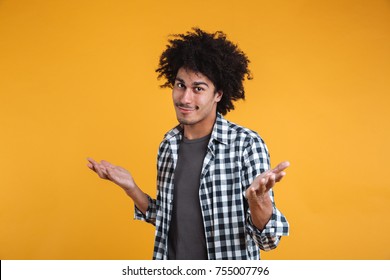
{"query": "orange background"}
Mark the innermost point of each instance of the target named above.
(77, 79)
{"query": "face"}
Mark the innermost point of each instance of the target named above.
(194, 98)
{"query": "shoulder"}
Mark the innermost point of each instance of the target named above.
(248, 144)
(239, 134)
(174, 133)
(171, 138)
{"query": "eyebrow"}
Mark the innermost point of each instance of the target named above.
(194, 83)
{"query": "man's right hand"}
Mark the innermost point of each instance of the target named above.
(116, 174)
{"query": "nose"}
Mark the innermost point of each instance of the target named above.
(187, 96)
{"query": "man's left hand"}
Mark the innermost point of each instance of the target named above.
(257, 195)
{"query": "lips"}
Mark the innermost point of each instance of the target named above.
(185, 109)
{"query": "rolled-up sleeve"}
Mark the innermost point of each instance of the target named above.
(150, 214)
(269, 238)
(256, 158)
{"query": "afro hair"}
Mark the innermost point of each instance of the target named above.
(212, 55)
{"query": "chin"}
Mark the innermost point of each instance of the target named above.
(185, 121)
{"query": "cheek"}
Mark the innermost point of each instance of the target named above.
(174, 95)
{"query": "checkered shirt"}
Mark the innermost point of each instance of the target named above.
(235, 156)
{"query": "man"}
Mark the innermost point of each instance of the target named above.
(214, 187)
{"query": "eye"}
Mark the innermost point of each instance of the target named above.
(198, 89)
(180, 85)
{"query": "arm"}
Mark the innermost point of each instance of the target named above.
(259, 199)
(123, 179)
(266, 223)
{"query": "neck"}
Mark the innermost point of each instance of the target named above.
(199, 130)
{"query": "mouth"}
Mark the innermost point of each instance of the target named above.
(186, 109)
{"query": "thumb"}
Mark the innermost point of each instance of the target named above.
(255, 187)
(250, 193)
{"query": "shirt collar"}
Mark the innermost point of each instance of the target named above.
(219, 132)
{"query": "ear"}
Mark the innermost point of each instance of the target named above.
(218, 95)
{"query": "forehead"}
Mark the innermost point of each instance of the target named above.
(191, 76)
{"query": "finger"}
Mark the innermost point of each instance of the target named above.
(263, 190)
(100, 170)
(93, 164)
(264, 182)
(265, 174)
(261, 181)
(261, 187)
(90, 165)
(106, 163)
(281, 166)
(251, 193)
(105, 169)
(110, 172)
(91, 160)
(122, 169)
(271, 182)
(280, 176)
(257, 191)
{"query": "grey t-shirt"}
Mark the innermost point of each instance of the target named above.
(186, 237)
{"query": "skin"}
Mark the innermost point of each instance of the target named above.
(195, 101)
(121, 177)
(259, 201)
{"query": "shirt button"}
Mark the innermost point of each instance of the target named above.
(170, 202)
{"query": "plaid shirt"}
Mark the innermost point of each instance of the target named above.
(235, 156)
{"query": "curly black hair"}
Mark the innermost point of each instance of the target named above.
(214, 56)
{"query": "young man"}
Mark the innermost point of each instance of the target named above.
(214, 186)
